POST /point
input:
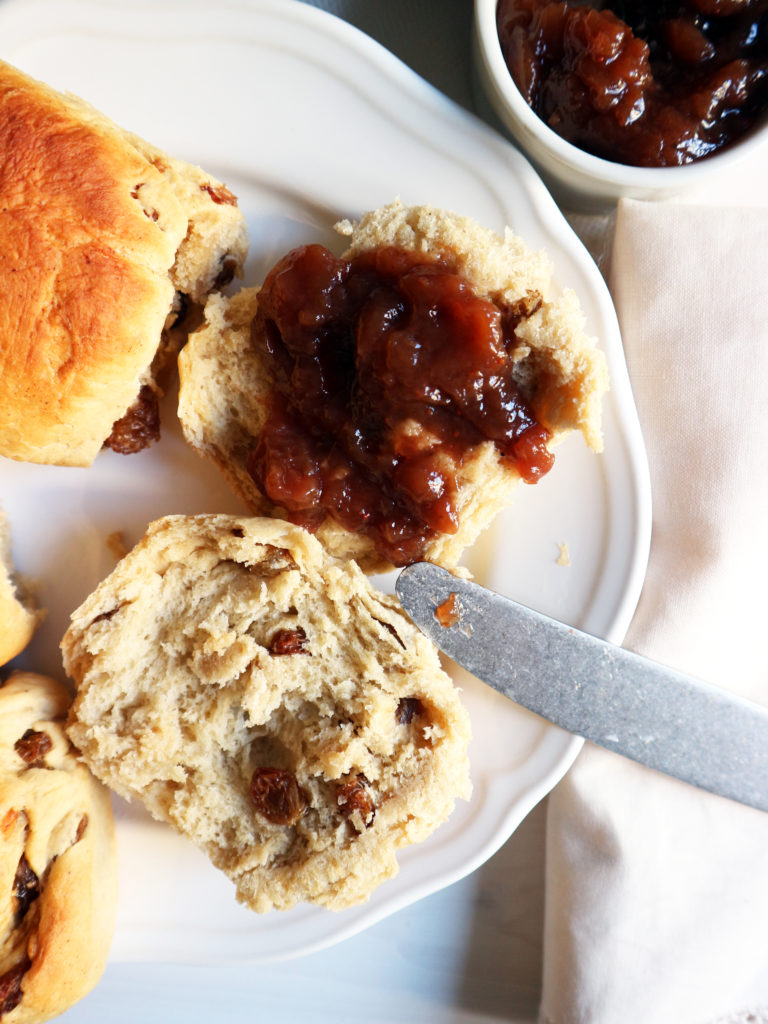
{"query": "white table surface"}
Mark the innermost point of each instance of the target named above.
(470, 954)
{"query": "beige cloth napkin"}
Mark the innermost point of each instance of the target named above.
(657, 893)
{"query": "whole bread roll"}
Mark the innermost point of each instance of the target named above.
(265, 700)
(19, 617)
(106, 242)
(227, 381)
(58, 862)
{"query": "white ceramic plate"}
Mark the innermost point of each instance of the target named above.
(308, 120)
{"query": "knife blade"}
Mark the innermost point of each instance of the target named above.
(626, 703)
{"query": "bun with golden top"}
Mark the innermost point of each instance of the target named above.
(58, 866)
(106, 242)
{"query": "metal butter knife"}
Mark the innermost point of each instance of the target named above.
(624, 702)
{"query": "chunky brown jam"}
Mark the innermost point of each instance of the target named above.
(388, 369)
(641, 83)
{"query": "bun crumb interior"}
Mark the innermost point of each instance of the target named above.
(261, 697)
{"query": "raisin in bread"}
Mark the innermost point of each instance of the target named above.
(58, 866)
(265, 700)
(108, 243)
(228, 384)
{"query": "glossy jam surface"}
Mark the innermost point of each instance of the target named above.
(387, 370)
(641, 83)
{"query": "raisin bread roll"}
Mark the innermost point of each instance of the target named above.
(227, 380)
(19, 617)
(107, 243)
(58, 866)
(261, 697)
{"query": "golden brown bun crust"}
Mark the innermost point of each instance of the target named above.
(18, 616)
(225, 386)
(90, 228)
(56, 822)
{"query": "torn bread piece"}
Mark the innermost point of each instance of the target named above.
(58, 860)
(108, 246)
(391, 399)
(19, 617)
(265, 700)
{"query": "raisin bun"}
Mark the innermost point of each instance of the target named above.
(108, 243)
(261, 697)
(448, 385)
(58, 863)
(19, 617)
